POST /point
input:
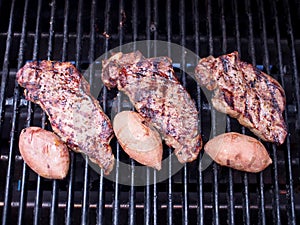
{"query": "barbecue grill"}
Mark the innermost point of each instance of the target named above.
(263, 32)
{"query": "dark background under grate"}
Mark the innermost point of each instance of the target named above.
(264, 32)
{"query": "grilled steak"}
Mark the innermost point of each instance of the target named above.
(64, 94)
(158, 96)
(246, 93)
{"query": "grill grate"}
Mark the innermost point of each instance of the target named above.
(264, 33)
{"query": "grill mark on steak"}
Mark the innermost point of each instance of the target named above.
(258, 100)
(271, 88)
(75, 115)
(228, 98)
(247, 113)
(157, 95)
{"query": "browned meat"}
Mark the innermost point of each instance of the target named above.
(74, 114)
(158, 96)
(244, 92)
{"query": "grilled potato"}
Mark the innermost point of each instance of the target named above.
(238, 151)
(44, 152)
(141, 142)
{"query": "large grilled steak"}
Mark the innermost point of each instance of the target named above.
(157, 95)
(74, 114)
(246, 93)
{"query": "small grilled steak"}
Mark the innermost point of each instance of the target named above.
(246, 93)
(74, 114)
(158, 96)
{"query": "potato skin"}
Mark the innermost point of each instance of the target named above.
(238, 151)
(44, 152)
(141, 142)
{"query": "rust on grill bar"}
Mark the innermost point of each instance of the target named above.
(263, 32)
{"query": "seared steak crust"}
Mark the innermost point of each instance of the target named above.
(159, 97)
(74, 114)
(246, 93)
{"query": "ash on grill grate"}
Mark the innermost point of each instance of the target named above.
(264, 33)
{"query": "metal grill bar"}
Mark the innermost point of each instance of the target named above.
(237, 27)
(251, 50)
(245, 178)
(230, 189)
(170, 201)
(39, 192)
(24, 179)
(213, 122)
(54, 200)
(185, 203)
(5, 69)
(266, 59)
(51, 30)
(70, 200)
(262, 215)
(155, 23)
(251, 47)
(231, 210)
(185, 196)
(223, 26)
(92, 38)
(106, 45)
(154, 198)
(37, 32)
(147, 202)
(23, 196)
(290, 190)
(85, 197)
(246, 207)
(131, 211)
(34, 57)
(147, 195)
(100, 214)
(77, 63)
(54, 203)
(169, 38)
(116, 204)
(79, 34)
(277, 217)
(85, 209)
(11, 151)
(291, 41)
(182, 36)
(9, 175)
(20, 61)
(70, 194)
(200, 211)
(65, 32)
(37, 202)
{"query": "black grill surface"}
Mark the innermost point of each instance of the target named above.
(265, 33)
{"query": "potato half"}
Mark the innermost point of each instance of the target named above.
(44, 152)
(238, 151)
(139, 140)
